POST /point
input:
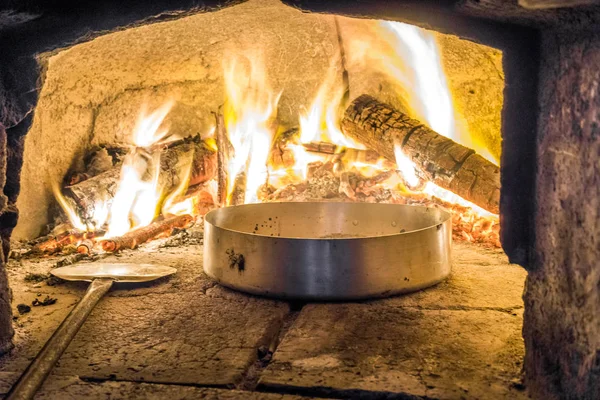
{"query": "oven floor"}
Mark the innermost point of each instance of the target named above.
(186, 337)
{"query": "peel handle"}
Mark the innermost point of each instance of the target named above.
(41, 366)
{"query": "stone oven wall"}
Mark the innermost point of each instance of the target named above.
(562, 298)
(549, 201)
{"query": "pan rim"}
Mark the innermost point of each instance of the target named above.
(210, 217)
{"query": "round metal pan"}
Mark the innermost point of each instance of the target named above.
(327, 251)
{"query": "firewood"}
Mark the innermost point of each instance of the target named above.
(443, 161)
(322, 147)
(132, 239)
(55, 244)
(281, 155)
(101, 188)
(224, 154)
(86, 246)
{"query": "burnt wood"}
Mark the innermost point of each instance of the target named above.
(443, 161)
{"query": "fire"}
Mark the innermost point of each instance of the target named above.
(408, 54)
(139, 193)
(321, 122)
(171, 205)
(249, 112)
(68, 209)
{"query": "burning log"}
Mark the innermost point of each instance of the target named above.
(132, 239)
(443, 161)
(224, 153)
(100, 189)
(282, 156)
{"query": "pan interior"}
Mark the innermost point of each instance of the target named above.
(121, 272)
(326, 220)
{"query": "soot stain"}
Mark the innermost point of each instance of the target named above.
(236, 260)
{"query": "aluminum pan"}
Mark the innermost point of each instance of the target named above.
(327, 251)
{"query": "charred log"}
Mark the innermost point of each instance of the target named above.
(443, 161)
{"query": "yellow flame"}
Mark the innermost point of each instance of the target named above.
(321, 121)
(406, 167)
(74, 219)
(138, 194)
(170, 206)
(428, 93)
(148, 129)
(248, 113)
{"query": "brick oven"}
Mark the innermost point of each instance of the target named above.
(522, 86)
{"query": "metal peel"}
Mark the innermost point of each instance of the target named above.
(102, 276)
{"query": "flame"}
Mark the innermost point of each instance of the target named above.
(148, 130)
(427, 89)
(249, 111)
(406, 167)
(411, 57)
(434, 190)
(321, 121)
(170, 205)
(74, 219)
(139, 192)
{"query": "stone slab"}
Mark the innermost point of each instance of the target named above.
(73, 388)
(351, 348)
(182, 337)
(481, 279)
(34, 328)
(172, 338)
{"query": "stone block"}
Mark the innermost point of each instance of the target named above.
(348, 349)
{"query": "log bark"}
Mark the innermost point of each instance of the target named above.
(443, 161)
(86, 195)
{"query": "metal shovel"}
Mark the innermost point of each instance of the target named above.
(102, 276)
